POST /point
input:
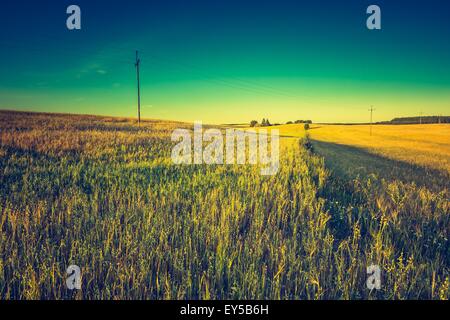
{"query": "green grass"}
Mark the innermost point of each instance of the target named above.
(102, 194)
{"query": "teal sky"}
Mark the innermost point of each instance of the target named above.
(227, 61)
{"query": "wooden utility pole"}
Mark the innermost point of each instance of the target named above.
(421, 113)
(371, 118)
(138, 62)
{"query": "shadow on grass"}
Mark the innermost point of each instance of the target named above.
(351, 162)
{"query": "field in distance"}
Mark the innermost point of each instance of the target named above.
(424, 145)
(413, 153)
(103, 194)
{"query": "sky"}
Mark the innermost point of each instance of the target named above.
(227, 61)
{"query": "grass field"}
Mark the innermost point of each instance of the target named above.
(424, 145)
(417, 154)
(103, 194)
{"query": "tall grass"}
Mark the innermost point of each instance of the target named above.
(104, 195)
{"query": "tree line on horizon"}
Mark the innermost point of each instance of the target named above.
(266, 123)
(400, 120)
(418, 120)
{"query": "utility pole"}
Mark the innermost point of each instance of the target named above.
(371, 118)
(138, 63)
(421, 113)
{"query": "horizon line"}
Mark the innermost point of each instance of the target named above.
(219, 124)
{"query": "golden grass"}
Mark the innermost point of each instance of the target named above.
(425, 145)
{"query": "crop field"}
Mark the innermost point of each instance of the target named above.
(425, 145)
(103, 194)
(417, 154)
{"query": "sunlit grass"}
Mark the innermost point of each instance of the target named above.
(425, 145)
(103, 194)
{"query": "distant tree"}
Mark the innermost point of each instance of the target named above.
(253, 123)
(268, 123)
(423, 120)
(302, 121)
(289, 122)
(306, 126)
(263, 122)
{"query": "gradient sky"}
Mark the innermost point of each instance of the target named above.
(227, 61)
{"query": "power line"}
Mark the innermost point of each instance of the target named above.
(244, 85)
(120, 51)
(235, 83)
